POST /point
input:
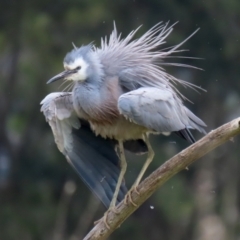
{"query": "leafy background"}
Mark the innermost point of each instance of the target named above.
(41, 197)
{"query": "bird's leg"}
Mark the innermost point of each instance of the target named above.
(147, 162)
(143, 170)
(123, 165)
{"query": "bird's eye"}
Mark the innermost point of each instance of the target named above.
(78, 68)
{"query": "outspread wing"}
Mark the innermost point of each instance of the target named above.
(93, 157)
(159, 110)
(58, 111)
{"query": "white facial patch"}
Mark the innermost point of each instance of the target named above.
(81, 74)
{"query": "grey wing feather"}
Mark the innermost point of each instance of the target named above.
(59, 113)
(195, 120)
(94, 158)
(158, 109)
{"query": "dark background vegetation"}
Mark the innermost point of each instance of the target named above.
(41, 197)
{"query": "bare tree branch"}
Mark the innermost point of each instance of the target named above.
(162, 174)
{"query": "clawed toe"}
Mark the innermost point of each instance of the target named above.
(105, 219)
(128, 197)
(136, 190)
(105, 216)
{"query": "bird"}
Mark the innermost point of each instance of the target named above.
(120, 94)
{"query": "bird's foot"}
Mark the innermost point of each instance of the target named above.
(128, 197)
(105, 216)
(104, 219)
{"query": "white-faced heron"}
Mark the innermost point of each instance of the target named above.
(120, 95)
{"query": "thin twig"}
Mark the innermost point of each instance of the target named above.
(162, 174)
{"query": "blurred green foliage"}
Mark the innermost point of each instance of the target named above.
(38, 199)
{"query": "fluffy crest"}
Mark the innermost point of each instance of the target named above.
(141, 57)
(83, 52)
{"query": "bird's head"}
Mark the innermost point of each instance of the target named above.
(79, 65)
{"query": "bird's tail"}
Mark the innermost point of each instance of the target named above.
(186, 134)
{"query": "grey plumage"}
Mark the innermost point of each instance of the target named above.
(158, 110)
(121, 93)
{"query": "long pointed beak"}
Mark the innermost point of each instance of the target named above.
(61, 75)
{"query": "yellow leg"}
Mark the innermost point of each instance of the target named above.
(123, 164)
(143, 170)
(147, 162)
